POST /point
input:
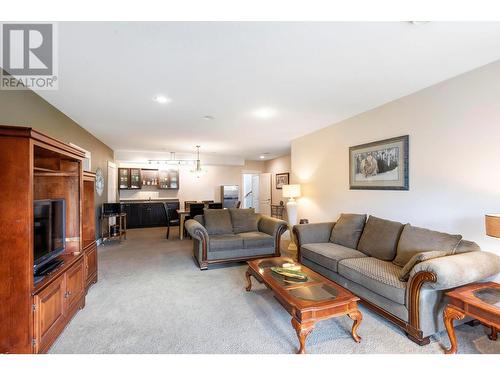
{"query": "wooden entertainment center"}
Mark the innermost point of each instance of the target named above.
(36, 167)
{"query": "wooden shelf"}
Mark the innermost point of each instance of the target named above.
(45, 172)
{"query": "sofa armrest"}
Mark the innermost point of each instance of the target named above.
(271, 225)
(456, 270)
(313, 233)
(201, 243)
(196, 230)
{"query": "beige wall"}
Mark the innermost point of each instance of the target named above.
(25, 108)
(206, 187)
(454, 130)
(275, 166)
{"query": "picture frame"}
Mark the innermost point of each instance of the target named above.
(282, 179)
(380, 165)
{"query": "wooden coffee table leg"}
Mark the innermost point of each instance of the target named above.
(449, 315)
(303, 330)
(357, 317)
(249, 281)
(493, 335)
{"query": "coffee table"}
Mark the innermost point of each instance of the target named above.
(480, 301)
(307, 302)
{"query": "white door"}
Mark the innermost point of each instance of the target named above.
(112, 182)
(255, 192)
(265, 194)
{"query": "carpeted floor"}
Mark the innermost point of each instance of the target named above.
(151, 298)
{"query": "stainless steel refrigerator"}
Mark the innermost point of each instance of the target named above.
(230, 195)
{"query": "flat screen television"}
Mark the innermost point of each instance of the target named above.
(49, 231)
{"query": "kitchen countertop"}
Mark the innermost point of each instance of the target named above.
(153, 200)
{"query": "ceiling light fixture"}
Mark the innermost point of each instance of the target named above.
(264, 113)
(162, 99)
(198, 171)
(208, 117)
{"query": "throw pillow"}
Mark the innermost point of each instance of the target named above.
(415, 240)
(347, 230)
(244, 220)
(380, 238)
(419, 258)
(465, 246)
(217, 221)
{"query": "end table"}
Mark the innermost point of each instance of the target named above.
(480, 301)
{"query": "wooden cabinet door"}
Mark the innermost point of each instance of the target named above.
(123, 178)
(133, 215)
(90, 265)
(49, 313)
(135, 178)
(158, 215)
(145, 215)
(75, 284)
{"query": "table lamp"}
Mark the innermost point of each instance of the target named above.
(291, 192)
(492, 222)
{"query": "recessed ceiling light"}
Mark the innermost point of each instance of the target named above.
(208, 117)
(161, 99)
(262, 156)
(264, 113)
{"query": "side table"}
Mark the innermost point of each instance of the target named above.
(121, 221)
(480, 301)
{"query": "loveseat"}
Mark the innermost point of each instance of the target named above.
(398, 270)
(231, 235)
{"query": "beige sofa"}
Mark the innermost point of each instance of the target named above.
(232, 235)
(398, 270)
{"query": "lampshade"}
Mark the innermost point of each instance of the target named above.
(291, 191)
(492, 222)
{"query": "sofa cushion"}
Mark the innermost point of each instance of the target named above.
(347, 230)
(253, 240)
(377, 275)
(328, 254)
(221, 242)
(415, 240)
(416, 259)
(244, 220)
(217, 221)
(465, 246)
(380, 238)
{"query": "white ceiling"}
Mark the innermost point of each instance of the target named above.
(311, 74)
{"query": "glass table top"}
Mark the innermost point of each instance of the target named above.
(272, 262)
(320, 292)
(490, 296)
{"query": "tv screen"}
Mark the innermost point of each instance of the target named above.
(49, 230)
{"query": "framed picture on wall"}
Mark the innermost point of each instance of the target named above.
(282, 179)
(381, 165)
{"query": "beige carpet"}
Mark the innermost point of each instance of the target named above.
(151, 298)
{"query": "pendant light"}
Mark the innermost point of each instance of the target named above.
(198, 171)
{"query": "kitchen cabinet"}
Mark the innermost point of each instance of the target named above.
(168, 179)
(129, 178)
(147, 214)
(137, 178)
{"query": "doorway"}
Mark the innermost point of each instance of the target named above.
(257, 192)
